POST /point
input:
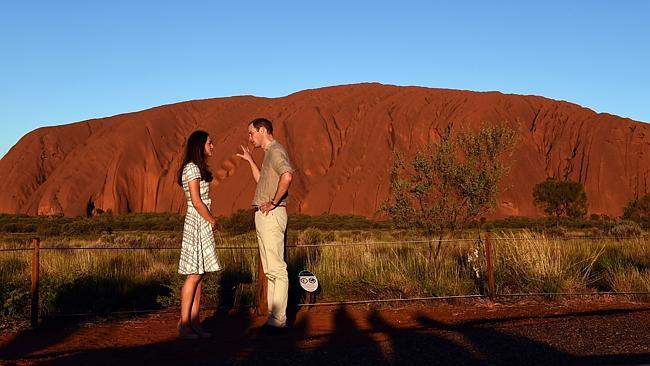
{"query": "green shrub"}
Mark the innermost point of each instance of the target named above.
(15, 300)
(240, 222)
(18, 227)
(561, 198)
(334, 222)
(81, 227)
(638, 210)
(46, 229)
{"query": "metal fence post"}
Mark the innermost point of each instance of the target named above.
(490, 266)
(36, 244)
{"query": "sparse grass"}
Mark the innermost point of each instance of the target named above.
(629, 279)
(388, 271)
(525, 263)
(80, 281)
(533, 263)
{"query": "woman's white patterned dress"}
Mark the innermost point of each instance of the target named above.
(198, 254)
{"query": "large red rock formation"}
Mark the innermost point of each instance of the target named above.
(340, 139)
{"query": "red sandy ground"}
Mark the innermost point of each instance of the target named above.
(594, 332)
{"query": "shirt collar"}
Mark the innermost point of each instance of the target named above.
(270, 144)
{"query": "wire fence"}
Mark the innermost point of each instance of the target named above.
(485, 240)
(328, 244)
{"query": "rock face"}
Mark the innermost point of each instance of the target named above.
(340, 140)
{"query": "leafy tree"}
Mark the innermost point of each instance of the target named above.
(449, 183)
(638, 210)
(560, 198)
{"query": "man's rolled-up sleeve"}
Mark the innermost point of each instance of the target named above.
(280, 162)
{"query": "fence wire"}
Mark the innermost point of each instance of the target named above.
(334, 244)
(480, 240)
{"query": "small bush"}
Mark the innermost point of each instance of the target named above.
(154, 241)
(240, 222)
(48, 229)
(334, 222)
(81, 227)
(556, 232)
(106, 239)
(638, 210)
(595, 232)
(10, 228)
(15, 300)
(626, 229)
(19, 228)
(313, 236)
(130, 241)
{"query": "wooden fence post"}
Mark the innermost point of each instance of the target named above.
(261, 304)
(36, 244)
(490, 266)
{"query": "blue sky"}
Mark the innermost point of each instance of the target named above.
(67, 61)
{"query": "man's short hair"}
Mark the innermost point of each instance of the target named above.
(262, 122)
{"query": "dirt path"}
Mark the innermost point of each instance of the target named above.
(580, 333)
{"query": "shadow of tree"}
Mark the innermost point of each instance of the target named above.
(90, 294)
(348, 338)
(230, 294)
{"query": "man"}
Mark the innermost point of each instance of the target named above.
(273, 181)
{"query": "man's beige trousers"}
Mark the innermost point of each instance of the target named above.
(271, 229)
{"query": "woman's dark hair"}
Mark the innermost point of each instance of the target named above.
(195, 153)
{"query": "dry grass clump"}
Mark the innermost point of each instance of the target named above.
(142, 275)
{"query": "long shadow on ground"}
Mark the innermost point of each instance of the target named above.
(430, 341)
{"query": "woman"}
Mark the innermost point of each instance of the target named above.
(198, 247)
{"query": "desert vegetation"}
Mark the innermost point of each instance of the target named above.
(382, 262)
(638, 210)
(561, 198)
(433, 244)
